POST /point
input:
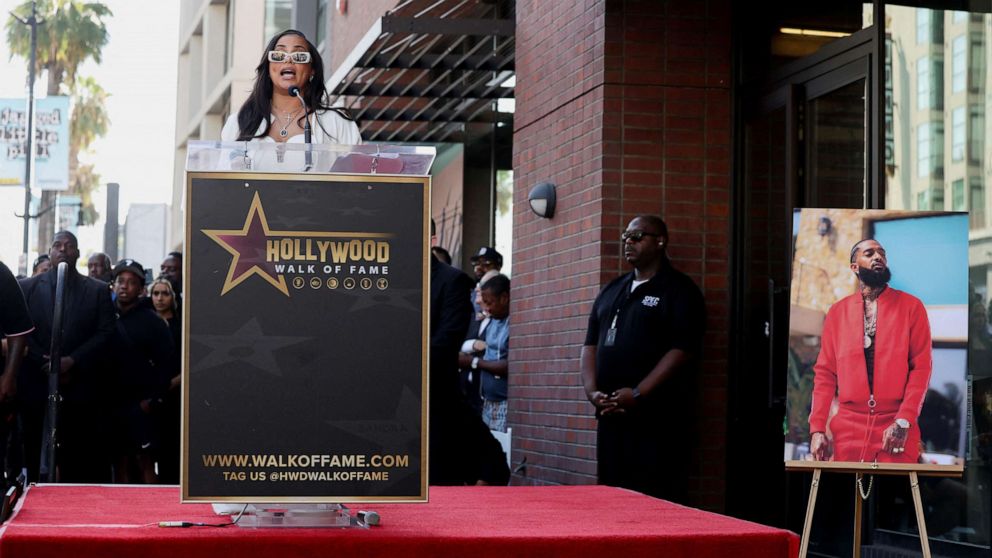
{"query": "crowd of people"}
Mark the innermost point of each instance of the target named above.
(462, 447)
(482, 360)
(482, 357)
(119, 369)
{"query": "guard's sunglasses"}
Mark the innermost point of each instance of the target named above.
(279, 56)
(636, 236)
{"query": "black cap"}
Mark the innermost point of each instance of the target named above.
(488, 253)
(134, 267)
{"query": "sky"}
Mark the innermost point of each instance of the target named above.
(139, 72)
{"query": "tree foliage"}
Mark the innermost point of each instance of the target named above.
(71, 32)
(89, 121)
(89, 116)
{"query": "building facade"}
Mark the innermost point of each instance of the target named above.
(219, 47)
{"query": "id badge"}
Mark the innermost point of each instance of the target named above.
(611, 337)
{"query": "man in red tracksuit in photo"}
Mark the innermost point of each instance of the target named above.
(876, 358)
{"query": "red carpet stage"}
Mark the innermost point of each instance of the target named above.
(72, 521)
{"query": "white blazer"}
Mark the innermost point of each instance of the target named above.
(339, 129)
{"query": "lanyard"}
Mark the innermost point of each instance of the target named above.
(618, 303)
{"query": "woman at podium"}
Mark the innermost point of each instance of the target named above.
(290, 71)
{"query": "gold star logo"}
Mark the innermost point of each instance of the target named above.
(247, 245)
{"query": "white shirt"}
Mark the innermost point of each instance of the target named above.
(339, 130)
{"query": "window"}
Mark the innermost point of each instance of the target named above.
(937, 84)
(976, 135)
(937, 159)
(278, 17)
(930, 200)
(930, 83)
(930, 150)
(960, 17)
(957, 195)
(977, 217)
(923, 150)
(959, 64)
(923, 83)
(321, 22)
(229, 38)
(929, 26)
(976, 63)
(923, 26)
(957, 134)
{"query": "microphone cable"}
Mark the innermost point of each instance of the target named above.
(185, 524)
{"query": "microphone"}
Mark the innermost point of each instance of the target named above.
(295, 92)
(369, 517)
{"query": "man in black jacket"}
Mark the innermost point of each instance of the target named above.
(143, 363)
(15, 326)
(88, 324)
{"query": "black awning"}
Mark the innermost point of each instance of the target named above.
(431, 71)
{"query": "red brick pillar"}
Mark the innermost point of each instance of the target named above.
(625, 107)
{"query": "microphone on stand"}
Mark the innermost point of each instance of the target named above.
(295, 92)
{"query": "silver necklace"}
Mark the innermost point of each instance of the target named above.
(289, 119)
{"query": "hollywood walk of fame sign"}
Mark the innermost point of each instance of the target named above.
(305, 338)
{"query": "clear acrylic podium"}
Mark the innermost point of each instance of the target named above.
(300, 160)
(265, 156)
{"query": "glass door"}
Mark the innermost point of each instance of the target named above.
(890, 118)
(836, 172)
(805, 144)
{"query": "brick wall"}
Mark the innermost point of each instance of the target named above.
(625, 106)
(556, 263)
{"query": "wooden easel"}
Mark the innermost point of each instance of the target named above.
(912, 471)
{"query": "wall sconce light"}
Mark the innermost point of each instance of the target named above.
(824, 226)
(542, 200)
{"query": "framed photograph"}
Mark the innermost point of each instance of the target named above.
(878, 339)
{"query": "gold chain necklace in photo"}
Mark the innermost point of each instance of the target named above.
(871, 322)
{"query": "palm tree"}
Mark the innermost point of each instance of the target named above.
(72, 32)
(89, 121)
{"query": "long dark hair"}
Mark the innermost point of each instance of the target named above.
(258, 107)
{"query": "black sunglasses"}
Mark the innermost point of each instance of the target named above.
(636, 236)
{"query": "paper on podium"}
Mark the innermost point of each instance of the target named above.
(360, 163)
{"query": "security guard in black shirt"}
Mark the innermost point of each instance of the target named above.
(644, 330)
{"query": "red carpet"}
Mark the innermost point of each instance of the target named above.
(568, 521)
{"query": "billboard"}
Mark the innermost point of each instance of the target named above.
(50, 145)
